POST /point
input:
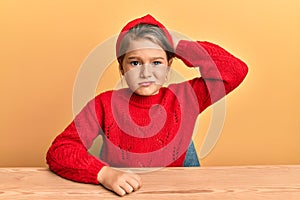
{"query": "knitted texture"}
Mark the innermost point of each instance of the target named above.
(147, 19)
(140, 131)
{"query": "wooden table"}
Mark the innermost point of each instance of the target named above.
(244, 182)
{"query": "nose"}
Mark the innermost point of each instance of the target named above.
(146, 71)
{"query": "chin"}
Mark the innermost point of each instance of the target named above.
(146, 93)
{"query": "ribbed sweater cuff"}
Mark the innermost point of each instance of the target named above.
(180, 50)
(94, 170)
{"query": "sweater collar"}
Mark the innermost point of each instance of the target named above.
(144, 101)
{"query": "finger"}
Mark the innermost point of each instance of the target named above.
(138, 179)
(133, 183)
(126, 187)
(117, 189)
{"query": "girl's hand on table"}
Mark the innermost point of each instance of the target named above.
(118, 181)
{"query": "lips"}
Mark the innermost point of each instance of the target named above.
(146, 84)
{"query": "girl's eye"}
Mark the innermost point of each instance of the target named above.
(156, 63)
(134, 63)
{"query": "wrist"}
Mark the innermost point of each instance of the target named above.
(100, 174)
(175, 44)
(175, 41)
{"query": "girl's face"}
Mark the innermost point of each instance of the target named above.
(145, 67)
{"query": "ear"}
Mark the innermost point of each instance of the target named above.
(121, 69)
(170, 62)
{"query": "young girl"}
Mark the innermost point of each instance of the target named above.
(144, 125)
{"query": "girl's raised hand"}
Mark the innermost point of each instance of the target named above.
(175, 40)
(118, 181)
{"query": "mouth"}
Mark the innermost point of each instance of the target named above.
(146, 83)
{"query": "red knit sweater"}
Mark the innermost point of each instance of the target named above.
(141, 131)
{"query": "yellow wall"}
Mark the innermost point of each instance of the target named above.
(43, 44)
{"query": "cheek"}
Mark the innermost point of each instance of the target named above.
(131, 76)
(161, 74)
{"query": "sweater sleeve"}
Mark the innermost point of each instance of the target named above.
(68, 156)
(221, 72)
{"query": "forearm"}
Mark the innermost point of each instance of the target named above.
(221, 72)
(68, 157)
(213, 61)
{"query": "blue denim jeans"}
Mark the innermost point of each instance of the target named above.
(191, 158)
